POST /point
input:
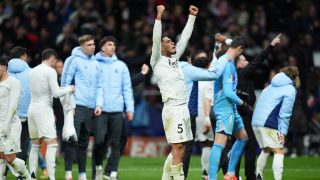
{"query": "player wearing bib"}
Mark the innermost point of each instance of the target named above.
(165, 64)
(10, 125)
(271, 118)
(43, 87)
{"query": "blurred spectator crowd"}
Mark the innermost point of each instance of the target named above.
(58, 24)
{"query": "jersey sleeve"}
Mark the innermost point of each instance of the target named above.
(286, 111)
(185, 36)
(54, 86)
(156, 43)
(227, 81)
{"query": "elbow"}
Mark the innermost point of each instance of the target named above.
(228, 94)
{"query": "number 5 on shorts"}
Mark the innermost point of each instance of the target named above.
(180, 129)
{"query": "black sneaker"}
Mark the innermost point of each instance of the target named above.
(204, 175)
(259, 177)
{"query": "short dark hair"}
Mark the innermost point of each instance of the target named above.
(84, 38)
(238, 41)
(47, 53)
(17, 52)
(202, 62)
(3, 61)
(106, 39)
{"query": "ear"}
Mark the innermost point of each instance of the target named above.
(239, 47)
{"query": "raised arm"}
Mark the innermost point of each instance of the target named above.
(156, 37)
(257, 61)
(187, 31)
(54, 86)
(139, 78)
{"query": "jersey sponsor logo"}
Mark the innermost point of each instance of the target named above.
(173, 63)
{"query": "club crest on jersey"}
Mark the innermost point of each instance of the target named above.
(230, 79)
(173, 63)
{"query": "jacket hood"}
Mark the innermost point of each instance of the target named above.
(77, 52)
(281, 80)
(17, 66)
(101, 58)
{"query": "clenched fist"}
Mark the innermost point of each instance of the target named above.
(193, 10)
(160, 10)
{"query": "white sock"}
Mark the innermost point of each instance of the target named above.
(82, 175)
(20, 166)
(205, 158)
(68, 174)
(261, 163)
(113, 174)
(2, 168)
(33, 159)
(51, 159)
(166, 173)
(177, 171)
(277, 166)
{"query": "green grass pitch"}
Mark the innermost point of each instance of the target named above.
(301, 168)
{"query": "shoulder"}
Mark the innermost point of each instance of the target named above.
(121, 64)
(50, 70)
(14, 82)
(228, 67)
(291, 91)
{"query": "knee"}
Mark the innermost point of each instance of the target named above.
(10, 158)
(243, 135)
(178, 150)
(98, 140)
(115, 144)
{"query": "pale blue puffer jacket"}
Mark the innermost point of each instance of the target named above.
(20, 70)
(274, 106)
(85, 73)
(117, 87)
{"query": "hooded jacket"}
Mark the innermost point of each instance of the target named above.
(117, 87)
(86, 74)
(20, 70)
(274, 106)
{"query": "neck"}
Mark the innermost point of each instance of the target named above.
(231, 53)
(107, 55)
(46, 63)
(4, 76)
(166, 54)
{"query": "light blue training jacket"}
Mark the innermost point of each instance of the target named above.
(193, 74)
(86, 74)
(117, 87)
(225, 88)
(20, 70)
(274, 106)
